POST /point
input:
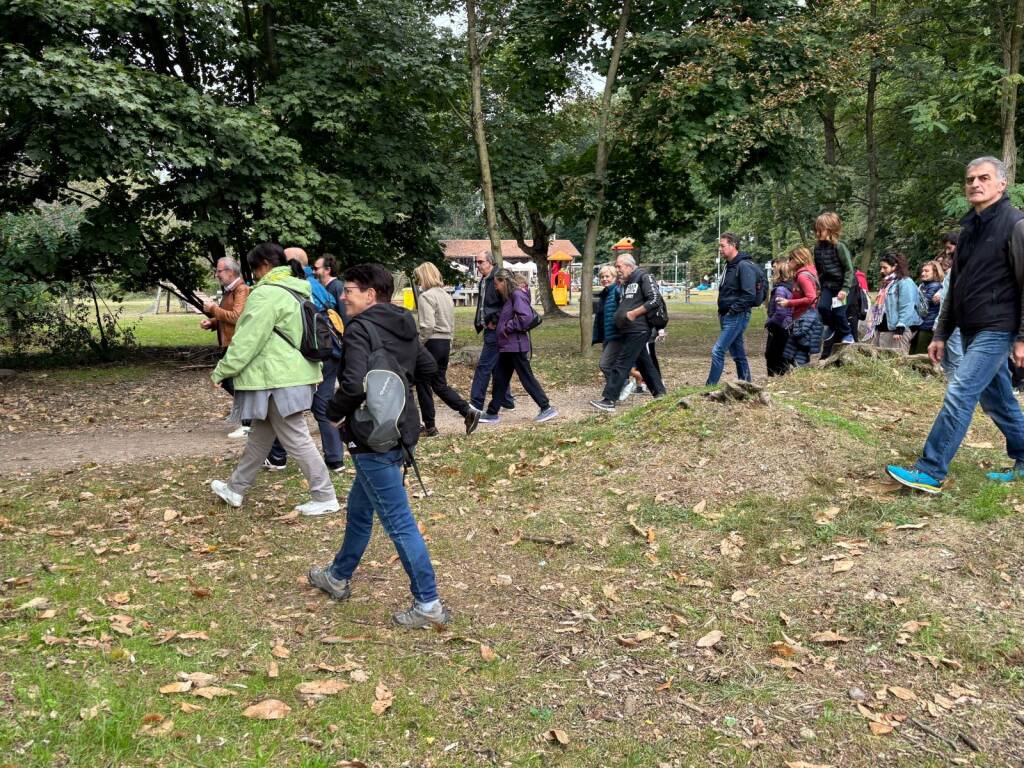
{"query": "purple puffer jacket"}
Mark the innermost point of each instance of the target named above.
(515, 316)
(780, 316)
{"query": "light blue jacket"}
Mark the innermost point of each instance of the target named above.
(901, 305)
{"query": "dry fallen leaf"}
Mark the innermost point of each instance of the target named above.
(280, 652)
(273, 670)
(189, 709)
(609, 591)
(557, 736)
(156, 725)
(842, 566)
(487, 653)
(212, 691)
(711, 639)
(383, 699)
(359, 675)
(182, 686)
(828, 637)
(321, 688)
(268, 709)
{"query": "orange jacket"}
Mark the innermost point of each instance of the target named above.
(226, 315)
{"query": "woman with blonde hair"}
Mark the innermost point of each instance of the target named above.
(436, 312)
(604, 331)
(805, 332)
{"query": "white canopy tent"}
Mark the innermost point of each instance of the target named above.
(524, 266)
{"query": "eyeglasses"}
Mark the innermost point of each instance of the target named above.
(481, 261)
(982, 177)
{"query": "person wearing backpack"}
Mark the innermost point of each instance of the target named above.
(805, 332)
(515, 348)
(324, 299)
(737, 296)
(640, 296)
(380, 338)
(274, 383)
(928, 306)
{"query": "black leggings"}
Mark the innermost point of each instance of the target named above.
(520, 363)
(440, 349)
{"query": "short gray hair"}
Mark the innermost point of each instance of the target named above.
(995, 162)
(230, 263)
(490, 257)
(626, 258)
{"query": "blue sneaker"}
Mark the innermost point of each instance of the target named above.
(1017, 473)
(489, 418)
(914, 478)
(848, 339)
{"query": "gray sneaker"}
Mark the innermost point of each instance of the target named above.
(417, 618)
(337, 589)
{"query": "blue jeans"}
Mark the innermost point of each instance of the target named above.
(982, 377)
(330, 437)
(731, 340)
(954, 353)
(484, 370)
(378, 488)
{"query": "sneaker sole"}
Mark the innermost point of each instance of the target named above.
(318, 514)
(933, 490)
(547, 418)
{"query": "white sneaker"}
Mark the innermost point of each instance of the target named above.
(239, 433)
(229, 497)
(627, 389)
(317, 508)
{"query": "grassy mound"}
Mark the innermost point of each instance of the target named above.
(721, 585)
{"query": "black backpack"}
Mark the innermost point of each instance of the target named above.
(760, 284)
(319, 339)
(658, 318)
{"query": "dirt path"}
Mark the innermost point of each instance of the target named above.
(48, 423)
(105, 445)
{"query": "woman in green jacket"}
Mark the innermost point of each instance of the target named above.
(274, 383)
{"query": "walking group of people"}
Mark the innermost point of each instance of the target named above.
(818, 299)
(966, 314)
(273, 381)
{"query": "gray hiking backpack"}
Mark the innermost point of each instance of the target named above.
(375, 424)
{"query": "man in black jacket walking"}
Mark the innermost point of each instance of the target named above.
(488, 307)
(640, 295)
(736, 295)
(986, 291)
(378, 482)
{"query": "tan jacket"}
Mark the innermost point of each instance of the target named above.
(436, 314)
(225, 317)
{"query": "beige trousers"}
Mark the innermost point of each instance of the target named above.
(294, 436)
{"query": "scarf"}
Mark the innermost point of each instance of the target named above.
(878, 308)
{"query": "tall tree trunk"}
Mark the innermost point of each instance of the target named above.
(871, 223)
(270, 41)
(828, 122)
(479, 136)
(1011, 40)
(600, 170)
(537, 250)
(250, 75)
